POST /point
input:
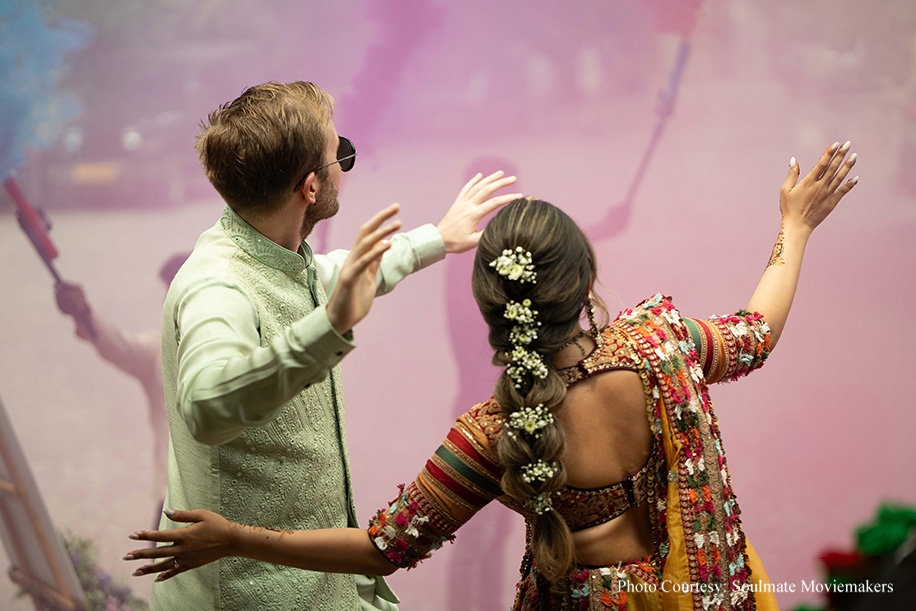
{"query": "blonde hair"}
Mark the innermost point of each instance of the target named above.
(257, 147)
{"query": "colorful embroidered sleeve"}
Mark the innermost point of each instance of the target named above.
(460, 478)
(730, 346)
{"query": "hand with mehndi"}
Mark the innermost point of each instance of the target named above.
(207, 539)
(806, 203)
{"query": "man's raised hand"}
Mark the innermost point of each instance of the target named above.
(356, 284)
(459, 226)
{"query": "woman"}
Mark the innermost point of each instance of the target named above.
(604, 440)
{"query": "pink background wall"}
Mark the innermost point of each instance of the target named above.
(430, 92)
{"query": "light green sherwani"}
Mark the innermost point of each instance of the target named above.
(255, 404)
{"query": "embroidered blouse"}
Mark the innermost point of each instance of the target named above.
(675, 358)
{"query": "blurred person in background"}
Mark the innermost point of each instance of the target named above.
(605, 440)
(139, 355)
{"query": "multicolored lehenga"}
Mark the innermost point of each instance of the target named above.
(702, 560)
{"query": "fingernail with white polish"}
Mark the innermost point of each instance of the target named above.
(169, 512)
(846, 146)
(133, 536)
(128, 557)
(792, 163)
(833, 147)
(136, 574)
(852, 158)
(854, 180)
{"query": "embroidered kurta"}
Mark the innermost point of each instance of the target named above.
(695, 516)
(255, 405)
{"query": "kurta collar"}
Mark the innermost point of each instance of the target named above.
(261, 248)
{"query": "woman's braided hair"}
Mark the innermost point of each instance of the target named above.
(564, 263)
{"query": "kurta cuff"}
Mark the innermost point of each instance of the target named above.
(320, 339)
(428, 244)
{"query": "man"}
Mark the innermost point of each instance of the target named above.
(252, 344)
(136, 354)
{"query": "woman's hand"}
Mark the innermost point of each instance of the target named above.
(804, 204)
(207, 539)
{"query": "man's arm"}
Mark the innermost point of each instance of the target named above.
(410, 252)
(127, 352)
(228, 382)
(414, 250)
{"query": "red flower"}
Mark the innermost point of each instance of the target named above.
(834, 559)
(580, 577)
(843, 564)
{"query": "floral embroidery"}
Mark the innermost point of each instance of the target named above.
(579, 584)
(684, 394)
(400, 532)
(752, 342)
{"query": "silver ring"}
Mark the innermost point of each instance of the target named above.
(175, 563)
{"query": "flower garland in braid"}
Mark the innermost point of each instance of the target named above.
(531, 279)
(525, 424)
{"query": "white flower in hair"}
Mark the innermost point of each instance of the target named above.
(539, 471)
(530, 420)
(524, 362)
(522, 335)
(515, 265)
(540, 504)
(521, 312)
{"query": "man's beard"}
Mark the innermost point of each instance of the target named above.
(325, 206)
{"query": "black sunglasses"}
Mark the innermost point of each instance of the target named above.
(346, 157)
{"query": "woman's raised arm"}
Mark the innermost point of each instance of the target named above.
(804, 205)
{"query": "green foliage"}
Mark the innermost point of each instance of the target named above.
(891, 527)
